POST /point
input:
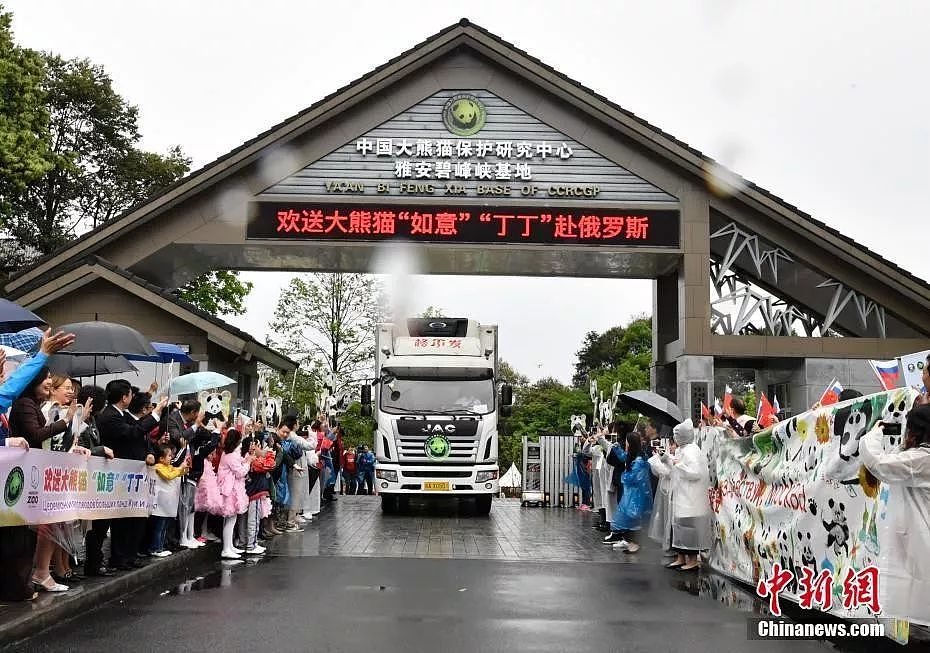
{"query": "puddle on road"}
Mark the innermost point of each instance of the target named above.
(218, 578)
(718, 588)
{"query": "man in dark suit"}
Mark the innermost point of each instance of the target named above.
(128, 438)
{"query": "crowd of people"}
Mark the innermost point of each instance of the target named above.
(645, 476)
(213, 482)
(642, 477)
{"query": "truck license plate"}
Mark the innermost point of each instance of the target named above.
(436, 486)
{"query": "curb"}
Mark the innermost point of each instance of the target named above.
(66, 608)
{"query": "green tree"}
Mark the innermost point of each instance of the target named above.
(601, 352)
(326, 323)
(296, 395)
(97, 170)
(25, 155)
(358, 430)
(219, 292)
(542, 407)
(507, 374)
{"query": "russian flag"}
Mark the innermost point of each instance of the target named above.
(775, 404)
(888, 373)
(718, 409)
(832, 394)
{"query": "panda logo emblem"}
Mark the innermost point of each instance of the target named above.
(438, 447)
(464, 115)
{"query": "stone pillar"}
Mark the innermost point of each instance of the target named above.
(694, 274)
(852, 373)
(695, 380)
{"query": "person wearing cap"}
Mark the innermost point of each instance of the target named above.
(691, 522)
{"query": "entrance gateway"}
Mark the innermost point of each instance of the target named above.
(489, 162)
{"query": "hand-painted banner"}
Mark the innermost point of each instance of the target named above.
(45, 487)
(796, 495)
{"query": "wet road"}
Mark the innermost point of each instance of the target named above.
(432, 581)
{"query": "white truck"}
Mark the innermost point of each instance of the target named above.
(436, 406)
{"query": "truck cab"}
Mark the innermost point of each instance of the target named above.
(436, 404)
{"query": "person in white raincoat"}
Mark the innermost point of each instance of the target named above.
(691, 523)
(904, 533)
(601, 475)
(660, 529)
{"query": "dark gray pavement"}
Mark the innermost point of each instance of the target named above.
(358, 581)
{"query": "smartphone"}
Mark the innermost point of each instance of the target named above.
(656, 443)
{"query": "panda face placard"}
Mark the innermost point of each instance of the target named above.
(215, 405)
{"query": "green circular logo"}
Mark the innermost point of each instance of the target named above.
(464, 114)
(438, 447)
(13, 489)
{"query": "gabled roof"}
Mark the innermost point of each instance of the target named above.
(221, 331)
(507, 55)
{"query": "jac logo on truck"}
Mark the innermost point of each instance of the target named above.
(438, 428)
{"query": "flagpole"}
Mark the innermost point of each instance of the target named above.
(828, 388)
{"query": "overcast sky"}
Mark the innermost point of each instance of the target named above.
(825, 104)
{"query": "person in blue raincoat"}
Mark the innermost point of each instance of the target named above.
(635, 505)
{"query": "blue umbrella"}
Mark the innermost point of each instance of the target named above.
(164, 353)
(188, 384)
(14, 317)
(27, 340)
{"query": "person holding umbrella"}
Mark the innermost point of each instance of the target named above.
(128, 438)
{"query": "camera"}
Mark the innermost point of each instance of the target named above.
(891, 429)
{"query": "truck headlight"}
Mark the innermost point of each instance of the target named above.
(387, 475)
(488, 475)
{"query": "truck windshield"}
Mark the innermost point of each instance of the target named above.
(439, 396)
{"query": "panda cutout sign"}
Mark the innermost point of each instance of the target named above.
(215, 405)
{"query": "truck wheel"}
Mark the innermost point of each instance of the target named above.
(388, 504)
(482, 504)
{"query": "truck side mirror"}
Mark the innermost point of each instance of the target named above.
(506, 395)
(366, 400)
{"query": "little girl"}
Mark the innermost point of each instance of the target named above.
(230, 480)
(168, 490)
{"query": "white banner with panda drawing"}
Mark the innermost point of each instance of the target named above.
(797, 495)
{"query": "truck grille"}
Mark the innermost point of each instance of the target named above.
(462, 434)
(412, 449)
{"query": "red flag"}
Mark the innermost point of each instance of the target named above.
(705, 412)
(727, 400)
(766, 412)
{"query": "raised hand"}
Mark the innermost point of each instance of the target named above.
(52, 344)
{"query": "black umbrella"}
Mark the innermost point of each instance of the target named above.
(79, 366)
(106, 339)
(14, 317)
(655, 407)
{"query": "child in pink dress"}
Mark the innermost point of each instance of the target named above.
(230, 481)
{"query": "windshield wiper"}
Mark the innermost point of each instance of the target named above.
(411, 411)
(468, 411)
